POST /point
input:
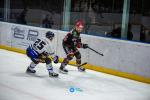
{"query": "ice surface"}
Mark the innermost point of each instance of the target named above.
(15, 84)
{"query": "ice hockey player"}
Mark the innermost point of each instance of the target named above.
(39, 51)
(71, 43)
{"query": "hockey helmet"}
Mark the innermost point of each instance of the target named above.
(49, 34)
(79, 26)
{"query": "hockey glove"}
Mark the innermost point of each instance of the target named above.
(84, 46)
(56, 59)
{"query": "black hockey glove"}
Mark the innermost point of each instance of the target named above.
(56, 59)
(84, 46)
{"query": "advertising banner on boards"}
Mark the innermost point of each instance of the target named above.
(23, 36)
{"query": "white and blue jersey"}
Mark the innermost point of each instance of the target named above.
(40, 46)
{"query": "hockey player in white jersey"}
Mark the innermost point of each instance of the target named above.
(39, 51)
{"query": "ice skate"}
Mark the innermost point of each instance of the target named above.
(63, 70)
(30, 71)
(53, 74)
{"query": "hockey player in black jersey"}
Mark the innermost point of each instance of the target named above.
(71, 43)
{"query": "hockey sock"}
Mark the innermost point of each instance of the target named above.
(49, 67)
(32, 66)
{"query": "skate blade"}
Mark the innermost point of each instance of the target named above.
(63, 72)
(54, 76)
(30, 73)
(81, 70)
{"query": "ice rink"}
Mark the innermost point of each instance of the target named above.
(15, 84)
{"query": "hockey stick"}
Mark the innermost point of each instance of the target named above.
(96, 51)
(83, 64)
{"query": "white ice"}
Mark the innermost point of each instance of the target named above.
(15, 84)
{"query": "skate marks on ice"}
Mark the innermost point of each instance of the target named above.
(99, 84)
(24, 74)
(94, 85)
(88, 82)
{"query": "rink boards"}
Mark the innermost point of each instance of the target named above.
(121, 58)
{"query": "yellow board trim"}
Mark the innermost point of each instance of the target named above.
(93, 67)
(12, 49)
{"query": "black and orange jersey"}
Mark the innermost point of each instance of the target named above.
(72, 39)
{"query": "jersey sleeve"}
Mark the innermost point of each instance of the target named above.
(68, 38)
(79, 43)
(49, 48)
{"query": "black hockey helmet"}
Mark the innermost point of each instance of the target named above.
(49, 34)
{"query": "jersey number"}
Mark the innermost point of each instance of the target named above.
(39, 44)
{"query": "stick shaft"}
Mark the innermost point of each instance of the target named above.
(83, 64)
(96, 51)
